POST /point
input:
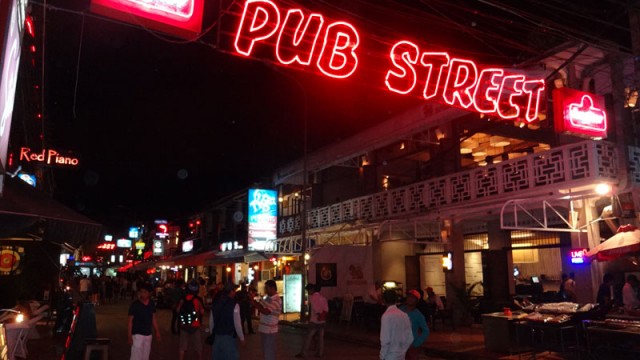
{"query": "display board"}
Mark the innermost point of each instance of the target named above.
(292, 293)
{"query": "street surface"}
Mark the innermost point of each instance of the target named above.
(112, 323)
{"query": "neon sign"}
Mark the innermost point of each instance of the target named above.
(263, 217)
(182, 18)
(106, 246)
(578, 256)
(579, 113)
(48, 157)
(310, 40)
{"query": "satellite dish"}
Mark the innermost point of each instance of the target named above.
(238, 216)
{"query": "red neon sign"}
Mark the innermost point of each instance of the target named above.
(48, 157)
(182, 18)
(578, 256)
(298, 38)
(106, 246)
(579, 113)
(310, 40)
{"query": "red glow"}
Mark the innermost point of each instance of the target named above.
(163, 228)
(86, 258)
(197, 222)
(106, 246)
(182, 18)
(579, 113)
(33, 48)
(298, 39)
(28, 24)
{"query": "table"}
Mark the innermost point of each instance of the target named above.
(500, 333)
(542, 337)
(609, 342)
(15, 332)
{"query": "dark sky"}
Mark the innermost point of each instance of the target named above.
(145, 108)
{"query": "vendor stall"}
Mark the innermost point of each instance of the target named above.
(618, 336)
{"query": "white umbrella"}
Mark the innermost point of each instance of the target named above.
(620, 244)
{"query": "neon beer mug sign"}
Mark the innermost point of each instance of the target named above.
(310, 40)
(579, 113)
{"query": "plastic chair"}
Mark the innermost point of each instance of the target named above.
(98, 344)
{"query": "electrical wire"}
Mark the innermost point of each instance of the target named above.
(75, 89)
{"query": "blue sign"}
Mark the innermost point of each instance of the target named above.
(28, 178)
(134, 232)
(263, 217)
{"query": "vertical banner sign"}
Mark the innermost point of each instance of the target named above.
(182, 18)
(263, 217)
(158, 247)
(292, 293)
(12, 17)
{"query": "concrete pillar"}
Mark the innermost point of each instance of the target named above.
(499, 240)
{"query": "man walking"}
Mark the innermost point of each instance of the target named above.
(418, 324)
(317, 315)
(269, 309)
(225, 320)
(242, 298)
(142, 318)
(395, 330)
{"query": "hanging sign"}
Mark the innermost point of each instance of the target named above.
(578, 256)
(182, 18)
(309, 40)
(579, 113)
(158, 247)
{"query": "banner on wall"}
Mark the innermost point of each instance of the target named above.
(343, 269)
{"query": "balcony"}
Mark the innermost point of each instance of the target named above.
(565, 167)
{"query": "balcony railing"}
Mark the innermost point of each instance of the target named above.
(562, 167)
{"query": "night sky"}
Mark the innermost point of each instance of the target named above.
(163, 128)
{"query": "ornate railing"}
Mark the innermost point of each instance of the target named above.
(565, 166)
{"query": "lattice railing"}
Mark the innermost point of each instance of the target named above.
(565, 166)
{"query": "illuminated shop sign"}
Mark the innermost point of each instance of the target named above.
(47, 157)
(447, 262)
(578, 256)
(182, 18)
(231, 245)
(579, 113)
(187, 246)
(332, 47)
(134, 232)
(263, 217)
(28, 178)
(158, 247)
(123, 243)
(140, 245)
(106, 246)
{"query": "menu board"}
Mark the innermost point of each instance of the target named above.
(292, 293)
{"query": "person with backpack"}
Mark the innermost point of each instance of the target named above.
(225, 325)
(191, 312)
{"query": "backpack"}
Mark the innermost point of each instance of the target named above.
(188, 315)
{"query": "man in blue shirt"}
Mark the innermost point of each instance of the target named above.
(418, 324)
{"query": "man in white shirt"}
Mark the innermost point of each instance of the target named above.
(629, 295)
(395, 332)
(269, 309)
(317, 320)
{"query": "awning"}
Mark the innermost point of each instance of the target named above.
(625, 242)
(196, 259)
(238, 256)
(23, 202)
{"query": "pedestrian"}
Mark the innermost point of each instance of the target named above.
(225, 323)
(85, 285)
(176, 295)
(419, 327)
(317, 320)
(630, 294)
(191, 312)
(142, 320)
(570, 287)
(269, 308)
(395, 330)
(108, 290)
(605, 292)
(242, 297)
(562, 294)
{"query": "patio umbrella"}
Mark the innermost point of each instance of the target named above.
(620, 244)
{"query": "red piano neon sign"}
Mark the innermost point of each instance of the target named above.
(310, 40)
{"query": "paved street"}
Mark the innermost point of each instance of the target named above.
(112, 323)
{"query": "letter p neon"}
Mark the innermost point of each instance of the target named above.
(260, 20)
